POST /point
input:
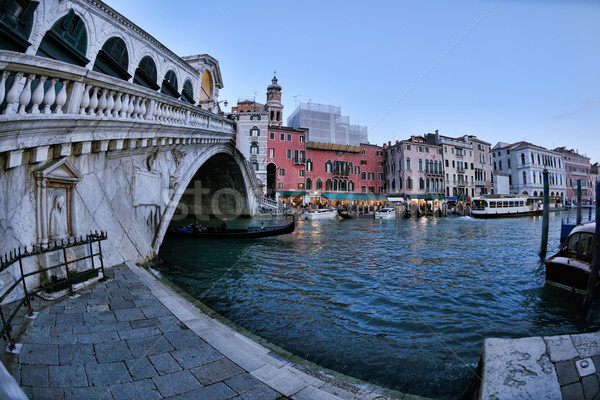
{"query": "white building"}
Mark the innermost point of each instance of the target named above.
(524, 163)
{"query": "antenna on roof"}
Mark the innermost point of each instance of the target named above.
(296, 100)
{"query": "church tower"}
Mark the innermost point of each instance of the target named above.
(274, 106)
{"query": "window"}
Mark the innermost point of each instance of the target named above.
(409, 183)
(363, 175)
(113, 59)
(407, 147)
(328, 184)
(420, 164)
(254, 148)
(328, 166)
(371, 176)
(319, 185)
(351, 186)
(523, 158)
(289, 137)
(145, 74)
(255, 166)
(272, 135)
(300, 172)
(282, 136)
(169, 85)
(255, 132)
(509, 163)
(288, 154)
(400, 183)
(408, 163)
(280, 185)
(187, 94)
(380, 176)
(281, 172)
(357, 170)
(308, 184)
(309, 165)
(301, 138)
(255, 118)
(421, 183)
(272, 152)
(300, 185)
(363, 189)
(66, 41)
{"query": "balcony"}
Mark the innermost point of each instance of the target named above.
(299, 160)
(460, 170)
(434, 172)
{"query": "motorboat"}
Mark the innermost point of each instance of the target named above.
(321, 213)
(345, 214)
(497, 206)
(570, 267)
(385, 213)
(251, 232)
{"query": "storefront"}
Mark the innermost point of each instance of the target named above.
(295, 198)
(427, 203)
(372, 200)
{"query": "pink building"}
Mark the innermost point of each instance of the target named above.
(577, 167)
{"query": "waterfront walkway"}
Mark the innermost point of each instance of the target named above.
(133, 337)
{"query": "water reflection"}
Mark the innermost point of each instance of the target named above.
(403, 303)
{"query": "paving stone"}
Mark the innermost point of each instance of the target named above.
(56, 309)
(112, 351)
(183, 339)
(44, 393)
(64, 338)
(156, 311)
(76, 354)
(262, 392)
(90, 393)
(77, 329)
(139, 333)
(114, 327)
(587, 344)
(58, 330)
(218, 391)
(216, 371)
(164, 363)
(573, 391)
(39, 354)
(69, 319)
(242, 383)
(149, 346)
(195, 356)
(45, 319)
(176, 383)
(120, 305)
(561, 348)
(144, 323)
(590, 386)
(149, 302)
(567, 373)
(67, 376)
(37, 338)
(107, 373)
(34, 375)
(99, 318)
(128, 314)
(99, 337)
(139, 390)
(140, 368)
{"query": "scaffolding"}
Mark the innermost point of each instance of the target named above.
(326, 124)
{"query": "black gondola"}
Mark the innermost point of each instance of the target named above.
(252, 232)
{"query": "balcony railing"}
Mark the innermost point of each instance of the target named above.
(429, 171)
(299, 160)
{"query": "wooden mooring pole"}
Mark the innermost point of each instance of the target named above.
(545, 212)
(595, 266)
(578, 201)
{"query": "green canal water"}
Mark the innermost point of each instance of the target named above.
(405, 304)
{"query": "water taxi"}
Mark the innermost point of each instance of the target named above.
(321, 213)
(385, 213)
(570, 268)
(504, 206)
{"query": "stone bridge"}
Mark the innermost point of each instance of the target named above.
(91, 140)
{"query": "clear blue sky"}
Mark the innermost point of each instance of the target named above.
(505, 70)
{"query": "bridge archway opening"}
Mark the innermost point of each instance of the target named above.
(271, 180)
(217, 190)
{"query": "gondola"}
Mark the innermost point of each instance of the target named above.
(252, 232)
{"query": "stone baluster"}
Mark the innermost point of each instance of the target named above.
(130, 107)
(110, 103)
(102, 102)
(12, 97)
(93, 101)
(85, 99)
(25, 97)
(61, 97)
(136, 108)
(143, 109)
(118, 104)
(124, 106)
(157, 111)
(50, 96)
(38, 95)
(3, 85)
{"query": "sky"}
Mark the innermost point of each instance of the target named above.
(503, 70)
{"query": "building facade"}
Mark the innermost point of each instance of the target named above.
(414, 170)
(577, 167)
(524, 164)
(483, 167)
(286, 171)
(594, 178)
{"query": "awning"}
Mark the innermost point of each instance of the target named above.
(286, 193)
(451, 199)
(427, 196)
(395, 199)
(355, 196)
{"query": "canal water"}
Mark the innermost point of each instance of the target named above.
(405, 304)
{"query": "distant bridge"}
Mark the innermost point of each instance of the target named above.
(92, 139)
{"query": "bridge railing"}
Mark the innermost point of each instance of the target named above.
(32, 85)
(65, 267)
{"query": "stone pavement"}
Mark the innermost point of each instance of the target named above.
(132, 337)
(556, 367)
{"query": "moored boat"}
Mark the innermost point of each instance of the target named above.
(321, 213)
(498, 206)
(385, 213)
(251, 232)
(345, 214)
(570, 267)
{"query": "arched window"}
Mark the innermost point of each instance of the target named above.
(351, 186)
(66, 41)
(309, 165)
(169, 85)
(254, 131)
(393, 184)
(308, 184)
(408, 163)
(535, 194)
(328, 184)
(420, 164)
(113, 59)
(427, 185)
(206, 90)
(145, 74)
(409, 183)
(343, 185)
(187, 94)
(319, 185)
(17, 16)
(335, 184)
(254, 148)
(400, 183)
(421, 184)
(524, 178)
(350, 168)
(328, 166)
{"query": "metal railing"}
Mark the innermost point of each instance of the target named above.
(67, 265)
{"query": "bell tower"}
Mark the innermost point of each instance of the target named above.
(274, 106)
